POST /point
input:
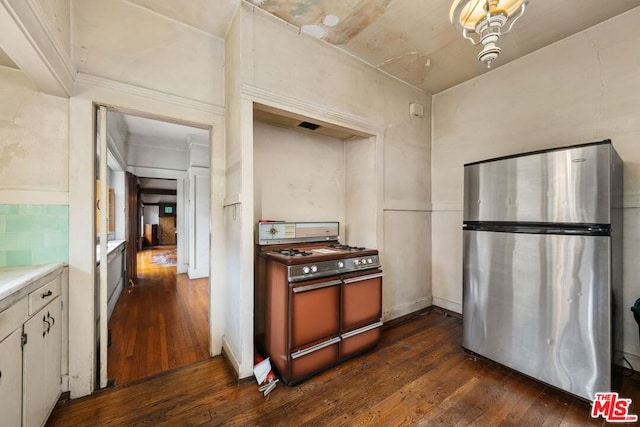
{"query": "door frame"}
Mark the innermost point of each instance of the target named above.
(82, 258)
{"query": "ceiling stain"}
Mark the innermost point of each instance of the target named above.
(342, 20)
(411, 67)
(351, 25)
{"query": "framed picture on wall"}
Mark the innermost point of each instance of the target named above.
(167, 209)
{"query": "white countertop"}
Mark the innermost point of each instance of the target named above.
(112, 245)
(15, 281)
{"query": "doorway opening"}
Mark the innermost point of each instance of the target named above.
(158, 298)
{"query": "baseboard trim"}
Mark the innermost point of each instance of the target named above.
(633, 359)
(406, 309)
(455, 307)
(400, 320)
(232, 365)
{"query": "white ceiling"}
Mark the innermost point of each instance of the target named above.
(158, 133)
(409, 39)
(161, 130)
(5, 61)
(415, 41)
(212, 17)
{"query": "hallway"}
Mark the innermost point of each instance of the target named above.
(161, 322)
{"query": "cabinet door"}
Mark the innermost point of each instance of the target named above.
(41, 358)
(33, 391)
(53, 354)
(11, 379)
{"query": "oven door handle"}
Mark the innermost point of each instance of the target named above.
(361, 278)
(361, 330)
(316, 286)
(316, 347)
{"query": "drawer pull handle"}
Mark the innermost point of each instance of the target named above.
(315, 286)
(47, 294)
(316, 347)
(362, 278)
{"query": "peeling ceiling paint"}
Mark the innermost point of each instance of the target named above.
(415, 42)
(411, 67)
(336, 21)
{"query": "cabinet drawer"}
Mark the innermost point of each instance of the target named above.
(43, 295)
(12, 318)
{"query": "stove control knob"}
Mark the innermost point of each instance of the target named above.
(356, 262)
(314, 268)
(340, 264)
(369, 261)
(306, 269)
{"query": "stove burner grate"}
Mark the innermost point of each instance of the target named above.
(292, 252)
(346, 247)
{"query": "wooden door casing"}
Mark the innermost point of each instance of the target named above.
(132, 225)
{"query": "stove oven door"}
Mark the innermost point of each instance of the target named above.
(314, 326)
(361, 312)
(361, 300)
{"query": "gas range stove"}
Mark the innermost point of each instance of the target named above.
(312, 250)
(310, 261)
(317, 301)
(336, 267)
(292, 252)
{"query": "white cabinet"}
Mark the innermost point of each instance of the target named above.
(11, 379)
(31, 332)
(41, 358)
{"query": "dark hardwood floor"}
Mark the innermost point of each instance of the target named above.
(418, 375)
(161, 322)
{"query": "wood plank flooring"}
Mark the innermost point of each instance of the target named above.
(417, 375)
(161, 322)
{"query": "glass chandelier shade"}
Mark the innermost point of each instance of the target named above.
(487, 20)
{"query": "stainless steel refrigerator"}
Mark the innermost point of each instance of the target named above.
(543, 264)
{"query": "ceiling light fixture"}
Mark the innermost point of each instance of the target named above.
(489, 19)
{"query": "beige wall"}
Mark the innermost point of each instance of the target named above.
(34, 142)
(330, 83)
(236, 298)
(330, 86)
(136, 59)
(582, 89)
(126, 43)
(298, 176)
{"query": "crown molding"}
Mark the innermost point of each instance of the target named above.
(52, 37)
(141, 92)
(157, 144)
(147, 172)
(30, 41)
(311, 110)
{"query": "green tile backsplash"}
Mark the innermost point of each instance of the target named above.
(33, 234)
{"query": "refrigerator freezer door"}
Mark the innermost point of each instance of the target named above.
(564, 186)
(540, 304)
